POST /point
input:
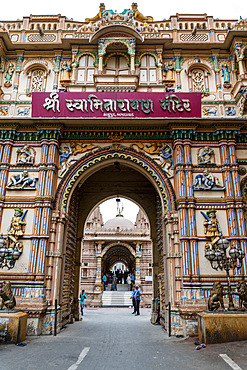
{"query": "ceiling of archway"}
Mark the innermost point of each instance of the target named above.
(116, 179)
(118, 253)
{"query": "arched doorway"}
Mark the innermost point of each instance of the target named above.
(102, 174)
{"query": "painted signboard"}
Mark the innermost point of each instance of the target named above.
(115, 105)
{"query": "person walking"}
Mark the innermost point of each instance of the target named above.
(104, 278)
(83, 296)
(137, 300)
(133, 295)
(129, 282)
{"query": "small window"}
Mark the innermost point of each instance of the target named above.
(54, 26)
(86, 69)
(186, 26)
(192, 26)
(148, 70)
(180, 26)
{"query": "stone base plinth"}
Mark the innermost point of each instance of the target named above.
(13, 326)
(221, 327)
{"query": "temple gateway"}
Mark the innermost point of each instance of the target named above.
(121, 105)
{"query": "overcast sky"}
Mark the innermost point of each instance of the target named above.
(109, 209)
(79, 10)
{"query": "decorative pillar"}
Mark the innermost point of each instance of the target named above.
(241, 66)
(159, 64)
(178, 69)
(132, 53)
(18, 70)
(138, 263)
(56, 70)
(74, 65)
(101, 52)
(217, 71)
(1, 65)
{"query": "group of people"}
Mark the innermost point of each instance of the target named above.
(136, 299)
(114, 278)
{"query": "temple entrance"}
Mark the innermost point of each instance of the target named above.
(124, 176)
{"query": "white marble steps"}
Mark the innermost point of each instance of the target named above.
(116, 299)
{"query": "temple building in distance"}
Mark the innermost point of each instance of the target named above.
(121, 105)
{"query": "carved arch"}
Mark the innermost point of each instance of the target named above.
(37, 63)
(152, 170)
(117, 53)
(128, 246)
(79, 55)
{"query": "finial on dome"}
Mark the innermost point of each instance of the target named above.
(119, 210)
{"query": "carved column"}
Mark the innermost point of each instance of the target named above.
(138, 264)
(18, 70)
(241, 66)
(101, 53)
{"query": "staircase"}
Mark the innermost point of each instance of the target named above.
(119, 298)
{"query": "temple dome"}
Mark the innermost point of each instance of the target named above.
(119, 221)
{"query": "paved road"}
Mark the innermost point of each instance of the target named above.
(112, 338)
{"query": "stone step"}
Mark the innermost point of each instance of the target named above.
(116, 298)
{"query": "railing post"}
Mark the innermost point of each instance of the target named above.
(55, 324)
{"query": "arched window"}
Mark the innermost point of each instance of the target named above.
(31, 26)
(117, 65)
(68, 26)
(167, 26)
(217, 25)
(37, 26)
(86, 69)
(223, 25)
(54, 26)
(192, 26)
(49, 26)
(180, 26)
(36, 81)
(186, 26)
(148, 69)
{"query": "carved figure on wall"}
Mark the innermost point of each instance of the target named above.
(216, 297)
(66, 68)
(168, 67)
(205, 155)
(25, 155)
(153, 148)
(8, 299)
(9, 75)
(165, 157)
(129, 16)
(22, 181)
(209, 111)
(16, 229)
(225, 73)
(242, 293)
(207, 181)
(139, 15)
(230, 111)
(212, 228)
(65, 159)
(82, 148)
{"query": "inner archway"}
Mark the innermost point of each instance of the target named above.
(140, 180)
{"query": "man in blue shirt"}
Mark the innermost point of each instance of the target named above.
(137, 300)
(83, 296)
(133, 294)
(104, 280)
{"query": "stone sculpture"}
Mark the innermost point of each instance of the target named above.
(168, 67)
(216, 297)
(205, 155)
(8, 300)
(16, 229)
(225, 73)
(66, 68)
(21, 182)
(212, 228)
(207, 181)
(9, 75)
(242, 293)
(25, 155)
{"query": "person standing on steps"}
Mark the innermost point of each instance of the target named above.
(137, 300)
(104, 280)
(83, 296)
(129, 282)
(133, 294)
